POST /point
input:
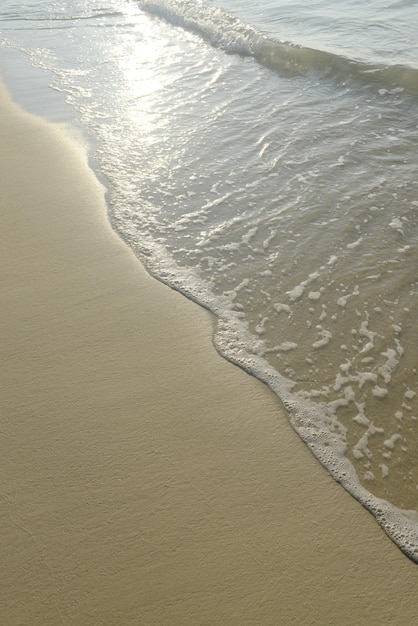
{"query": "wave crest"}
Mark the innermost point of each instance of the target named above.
(226, 32)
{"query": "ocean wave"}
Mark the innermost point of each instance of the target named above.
(226, 32)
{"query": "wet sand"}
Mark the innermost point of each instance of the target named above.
(143, 479)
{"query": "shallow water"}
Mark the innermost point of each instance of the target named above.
(261, 158)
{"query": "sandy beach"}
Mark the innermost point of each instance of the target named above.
(143, 479)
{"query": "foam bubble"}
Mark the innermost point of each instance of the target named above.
(314, 295)
(279, 307)
(365, 377)
(354, 244)
(390, 443)
(369, 476)
(385, 470)
(286, 346)
(326, 337)
(249, 235)
(296, 292)
(397, 225)
(389, 367)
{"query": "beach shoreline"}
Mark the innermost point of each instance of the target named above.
(144, 479)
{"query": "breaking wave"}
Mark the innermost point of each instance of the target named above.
(226, 32)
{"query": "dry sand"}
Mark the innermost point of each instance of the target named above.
(143, 479)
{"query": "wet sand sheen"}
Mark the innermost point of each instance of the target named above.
(143, 479)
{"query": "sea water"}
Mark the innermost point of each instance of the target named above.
(261, 158)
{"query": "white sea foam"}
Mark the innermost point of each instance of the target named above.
(390, 443)
(342, 300)
(361, 448)
(279, 307)
(249, 235)
(397, 225)
(325, 338)
(379, 392)
(354, 244)
(286, 346)
(180, 147)
(314, 295)
(297, 292)
(389, 367)
(370, 335)
(385, 470)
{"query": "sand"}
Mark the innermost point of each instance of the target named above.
(143, 479)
